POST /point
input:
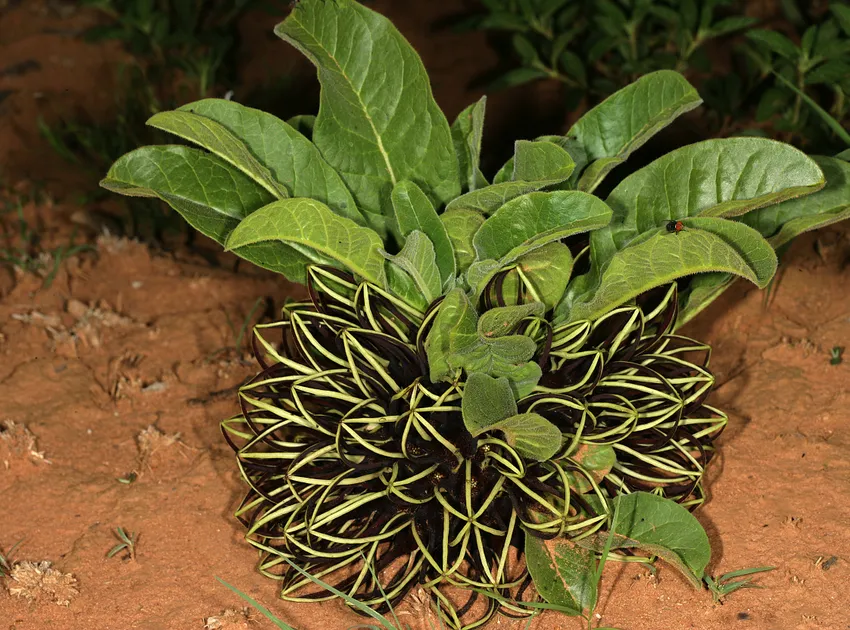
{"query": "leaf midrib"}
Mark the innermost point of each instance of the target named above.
(378, 139)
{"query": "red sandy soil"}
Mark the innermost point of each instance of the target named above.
(127, 337)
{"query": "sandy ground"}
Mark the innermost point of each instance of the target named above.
(126, 338)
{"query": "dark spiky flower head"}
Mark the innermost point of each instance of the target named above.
(482, 367)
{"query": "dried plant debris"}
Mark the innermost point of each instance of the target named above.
(17, 442)
(230, 619)
(39, 581)
(152, 440)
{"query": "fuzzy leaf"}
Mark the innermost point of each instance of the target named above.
(209, 193)
(284, 259)
(490, 198)
(706, 244)
(577, 153)
(414, 211)
(219, 140)
(714, 178)
(461, 226)
(404, 286)
(467, 132)
(293, 160)
(539, 160)
(660, 527)
(779, 224)
(311, 224)
(501, 321)
(455, 330)
(532, 435)
(535, 219)
(503, 357)
(623, 122)
(783, 222)
(563, 573)
(418, 260)
(378, 123)
(486, 401)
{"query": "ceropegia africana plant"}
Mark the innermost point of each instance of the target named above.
(482, 371)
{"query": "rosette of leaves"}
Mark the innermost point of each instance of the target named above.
(483, 370)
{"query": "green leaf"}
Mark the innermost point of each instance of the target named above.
(775, 42)
(535, 219)
(455, 330)
(597, 460)
(503, 320)
(461, 226)
(486, 401)
(532, 435)
(402, 285)
(311, 224)
(378, 123)
(303, 124)
(662, 528)
(623, 122)
(414, 211)
(293, 160)
(490, 198)
(785, 221)
(209, 193)
(577, 154)
(730, 25)
(539, 160)
(706, 244)
(547, 269)
(467, 132)
(418, 260)
(563, 572)
(715, 178)
(284, 259)
(779, 224)
(701, 291)
(517, 76)
(219, 140)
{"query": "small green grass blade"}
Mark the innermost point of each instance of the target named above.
(258, 607)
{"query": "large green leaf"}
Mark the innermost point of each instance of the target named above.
(209, 193)
(660, 527)
(706, 244)
(378, 123)
(467, 132)
(219, 140)
(307, 223)
(563, 572)
(414, 211)
(547, 269)
(623, 122)
(535, 219)
(402, 285)
(540, 160)
(461, 226)
(293, 160)
(781, 223)
(418, 260)
(717, 178)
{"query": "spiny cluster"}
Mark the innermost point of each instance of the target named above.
(362, 473)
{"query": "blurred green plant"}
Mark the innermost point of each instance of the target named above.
(177, 50)
(595, 47)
